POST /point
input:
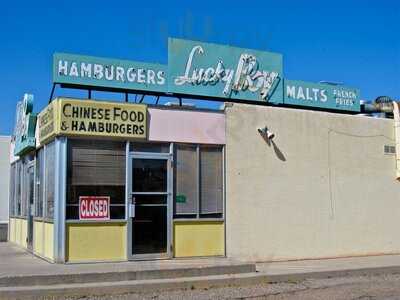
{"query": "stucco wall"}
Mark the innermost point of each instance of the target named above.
(4, 177)
(325, 188)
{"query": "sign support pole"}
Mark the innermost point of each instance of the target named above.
(52, 92)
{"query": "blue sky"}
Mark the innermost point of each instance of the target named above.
(354, 42)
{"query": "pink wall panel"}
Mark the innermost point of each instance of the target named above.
(186, 126)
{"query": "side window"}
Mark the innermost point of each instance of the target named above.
(18, 184)
(12, 190)
(198, 181)
(49, 179)
(39, 181)
(211, 193)
(186, 175)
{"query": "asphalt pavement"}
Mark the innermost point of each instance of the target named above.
(376, 287)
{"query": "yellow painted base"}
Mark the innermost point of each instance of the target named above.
(43, 239)
(199, 238)
(96, 242)
(18, 231)
(11, 230)
(49, 240)
(38, 237)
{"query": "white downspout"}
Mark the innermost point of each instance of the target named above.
(396, 115)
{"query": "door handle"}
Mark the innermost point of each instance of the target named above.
(132, 207)
(132, 210)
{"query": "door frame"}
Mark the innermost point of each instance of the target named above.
(168, 157)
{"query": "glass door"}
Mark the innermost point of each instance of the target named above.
(149, 206)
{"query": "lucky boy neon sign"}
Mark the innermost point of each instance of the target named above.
(247, 75)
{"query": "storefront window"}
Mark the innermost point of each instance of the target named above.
(18, 183)
(96, 168)
(23, 179)
(211, 181)
(186, 199)
(50, 179)
(198, 181)
(12, 190)
(39, 198)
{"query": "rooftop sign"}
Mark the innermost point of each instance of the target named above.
(211, 70)
(198, 69)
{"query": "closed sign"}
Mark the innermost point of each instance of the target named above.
(94, 208)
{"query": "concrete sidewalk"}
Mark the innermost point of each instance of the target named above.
(23, 275)
(333, 266)
(15, 261)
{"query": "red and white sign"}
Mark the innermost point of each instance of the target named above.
(94, 208)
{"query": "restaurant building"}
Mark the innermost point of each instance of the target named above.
(283, 170)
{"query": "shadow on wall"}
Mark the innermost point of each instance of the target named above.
(277, 151)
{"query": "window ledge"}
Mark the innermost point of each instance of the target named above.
(198, 220)
(95, 221)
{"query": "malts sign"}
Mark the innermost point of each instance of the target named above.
(207, 70)
(321, 95)
(94, 208)
(93, 118)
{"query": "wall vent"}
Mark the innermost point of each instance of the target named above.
(388, 149)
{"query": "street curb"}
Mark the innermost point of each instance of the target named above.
(81, 278)
(183, 283)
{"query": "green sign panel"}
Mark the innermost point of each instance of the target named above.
(24, 132)
(328, 96)
(180, 199)
(204, 69)
(109, 73)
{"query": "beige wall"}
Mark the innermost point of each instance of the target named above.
(4, 177)
(326, 188)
